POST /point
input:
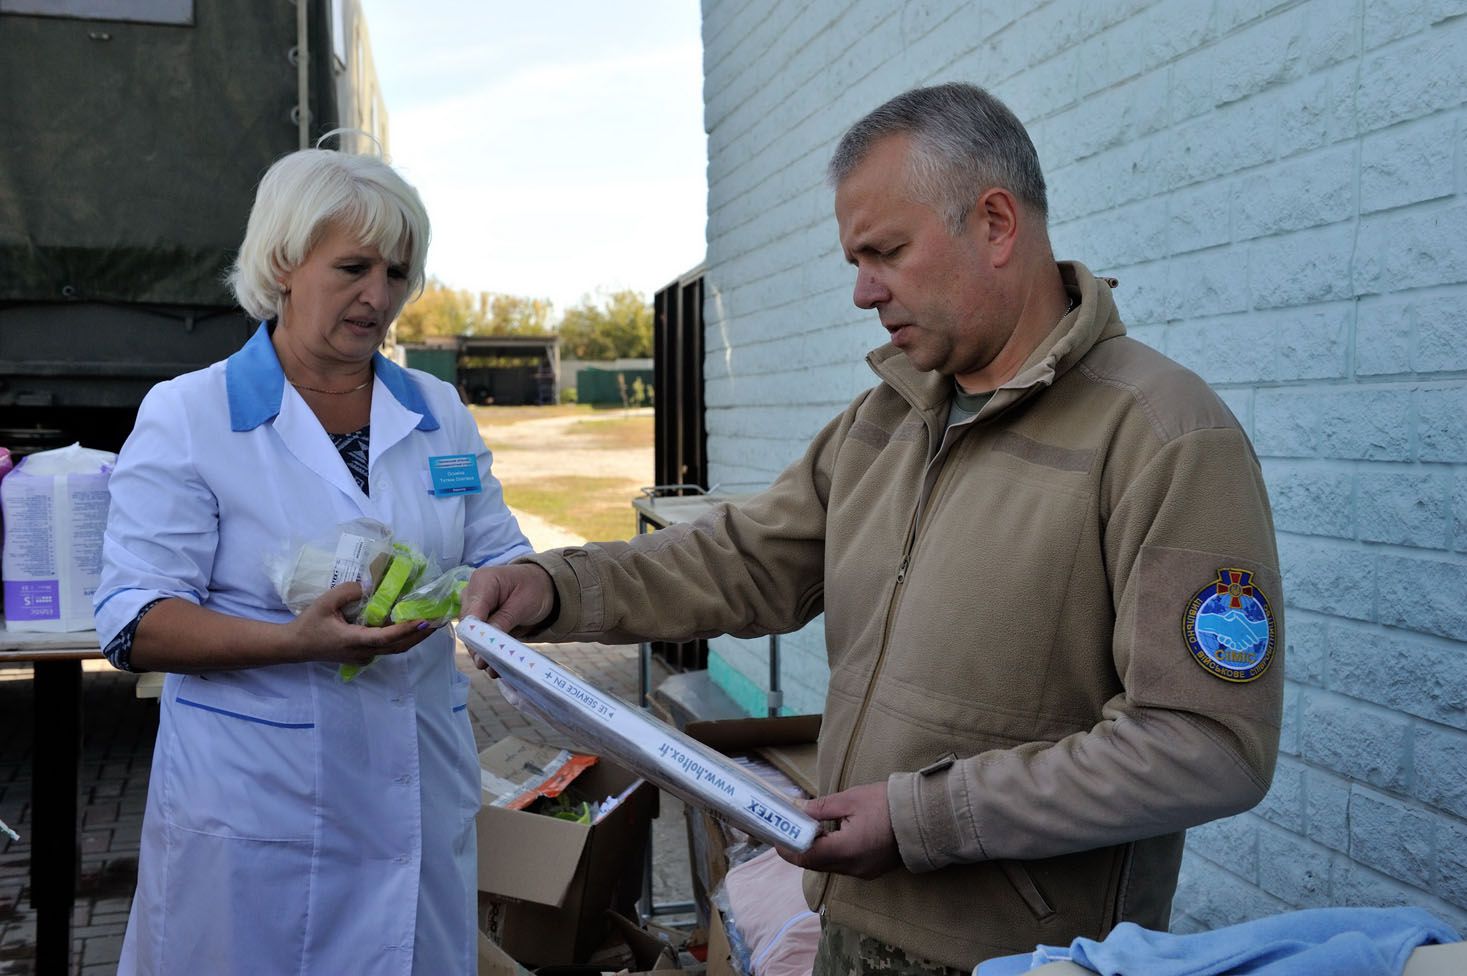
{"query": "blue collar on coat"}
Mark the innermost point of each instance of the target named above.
(255, 383)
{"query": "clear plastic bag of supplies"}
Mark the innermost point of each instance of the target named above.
(392, 574)
(355, 551)
(404, 568)
(605, 725)
(403, 572)
(436, 601)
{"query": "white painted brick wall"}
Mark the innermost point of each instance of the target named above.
(1281, 187)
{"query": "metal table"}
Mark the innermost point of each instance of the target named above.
(653, 512)
(658, 512)
(55, 759)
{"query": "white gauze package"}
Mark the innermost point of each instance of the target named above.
(605, 724)
(303, 570)
(55, 511)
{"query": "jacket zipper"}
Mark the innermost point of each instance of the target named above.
(901, 576)
(845, 765)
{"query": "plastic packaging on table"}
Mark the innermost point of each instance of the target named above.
(55, 511)
(436, 601)
(605, 724)
(5, 465)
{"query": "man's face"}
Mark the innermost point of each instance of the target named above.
(934, 291)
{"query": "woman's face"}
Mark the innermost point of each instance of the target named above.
(340, 300)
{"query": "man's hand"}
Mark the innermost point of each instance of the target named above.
(862, 843)
(508, 597)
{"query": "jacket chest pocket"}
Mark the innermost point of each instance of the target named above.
(995, 556)
(239, 764)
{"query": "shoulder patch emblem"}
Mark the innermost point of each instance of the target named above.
(1229, 627)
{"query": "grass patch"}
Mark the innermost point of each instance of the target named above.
(504, 416)
(593, 508)
(597, 430)
(623, 432)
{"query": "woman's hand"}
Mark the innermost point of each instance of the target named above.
(177, 635)
(322, 632)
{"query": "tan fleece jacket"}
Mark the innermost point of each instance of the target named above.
(1029, 625)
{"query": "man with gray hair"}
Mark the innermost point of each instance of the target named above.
(1046, 563)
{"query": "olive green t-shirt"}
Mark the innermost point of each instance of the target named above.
(965, 406)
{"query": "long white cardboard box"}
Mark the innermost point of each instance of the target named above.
(605, 724)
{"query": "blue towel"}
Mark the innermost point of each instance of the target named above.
(1312, 942)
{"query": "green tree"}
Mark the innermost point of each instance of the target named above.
(444, 311)
(438, 311)
(514, 314)
(620, 326)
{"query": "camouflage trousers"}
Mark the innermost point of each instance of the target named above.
(845, 952)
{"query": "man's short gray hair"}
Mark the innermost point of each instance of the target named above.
(964, 141)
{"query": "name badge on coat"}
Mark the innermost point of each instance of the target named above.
(453, 474)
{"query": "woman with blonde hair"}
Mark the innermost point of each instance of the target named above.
(296, 822)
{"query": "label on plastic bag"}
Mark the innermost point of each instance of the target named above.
(32, 599)
(352, 555)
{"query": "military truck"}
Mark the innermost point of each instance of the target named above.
(130, 150)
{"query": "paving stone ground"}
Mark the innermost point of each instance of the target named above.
(118, 735)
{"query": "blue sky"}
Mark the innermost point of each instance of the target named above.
(559, 147)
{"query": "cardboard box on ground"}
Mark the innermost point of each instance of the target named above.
(545, 884)
(633, 949)
(720, 956)
(787, 743)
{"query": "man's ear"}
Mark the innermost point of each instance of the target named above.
(999, 214)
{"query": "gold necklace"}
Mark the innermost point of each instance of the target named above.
(311, 389)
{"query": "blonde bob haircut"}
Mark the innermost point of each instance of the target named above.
(305, 192)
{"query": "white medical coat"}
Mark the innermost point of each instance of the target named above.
(297, 823)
